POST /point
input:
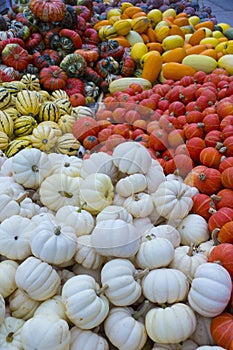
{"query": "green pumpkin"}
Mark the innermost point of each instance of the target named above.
(74, 65)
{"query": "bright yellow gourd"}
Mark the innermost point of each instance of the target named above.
(138, 50)
(200, 63)
(226, 62)
(172, 42)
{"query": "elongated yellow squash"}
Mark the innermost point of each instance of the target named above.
(123, 83)
(200, 63)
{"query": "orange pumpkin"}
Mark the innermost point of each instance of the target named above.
(222, 329)
(84, 127)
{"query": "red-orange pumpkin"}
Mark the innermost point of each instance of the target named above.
(219, 218)
(53, 78)
(227, 178)
(224, 234)
(203, 205)
(48, 10)
(85, 126)
(222, 329)
(13, 55)
(223, 254)
(209, 181)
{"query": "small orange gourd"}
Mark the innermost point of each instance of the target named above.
(152, 67)
(176, 71)
(205, 24)
(181, 21)
(175, 55)
(197, 36)
(130, 11)
(176, 30)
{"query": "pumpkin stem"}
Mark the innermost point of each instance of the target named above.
(140, 274)
(65, 194)
(102, 290)
(10, 337)
(191, 249)
(141, 311)
(219, 145)
(35, 168)
(82, 206)
(222, 149)
(57, 230)
(21, 198)
(214, 236)
(202, 177)
(215, 197)
(189, 278)
(180, 195)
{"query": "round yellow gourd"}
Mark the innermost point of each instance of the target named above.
(172, 41)
(138, 50)
(226, 62)
(224, 26)
(209, 40)
(113, 12)
(217, 34)
(170, 12)
(155, 16)
(193, 20)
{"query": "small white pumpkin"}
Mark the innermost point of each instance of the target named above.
(116, 238)
(202, 334)
(87, 340)
(30, 167)
(58, 190)
(84, 302)
(7, 277)
(166, 231)
(154, 176)
(54, 243)
(139, 205)
(6, 167)
(45, 333)
(173, 199)
(193, 229)
(9, 186)
(172, 324)
(114, 212)
(154, 253)
(86, 255)
(185, 345)
(97, 191)
(10, 333)
(19, 204)
(206, 247)
(80, 219)
(37, 278)
(132, 158)
(64, 164)
(64, 275)
(131, 184)
(210, 290)
(81, 270)
(52, 308)
(123, 329)
(120, 278)
(15, 235)
(210, 347)
(21, 305)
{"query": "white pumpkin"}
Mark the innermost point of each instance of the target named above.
(10, 333)
(64, 275)
(7, 277)
(131, 184)
(206, 247)
(84, 302)
(37, 278)
(80, 219)
(132, 158)
(165, 231)
(15, 235)
(114, 212)
(99, 162)
(118, 200)
(172, 324)
(123, 330)
(64, 164)
(139, 205)
(173, 199)
(193, 229)
(165, 285)
(52, 308)
(185, 345)
(86, 255)
(154, 252)
(2, 309)
(87, 340)
(187, 259)
(21, 305)
(154, 176)
(9, 186)
(97, 191)
(30, 167)
(52, 242)
(41, 332)
(81, 270)
(116, 238)
(202, 334)
(3, 158)
(43, 217)
(6, 167)
(210, 290)
(120, 278)
(143, 226)
(19, 204)
(209, 347)
(58, 190)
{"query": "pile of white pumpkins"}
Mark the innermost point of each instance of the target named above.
(102, 253)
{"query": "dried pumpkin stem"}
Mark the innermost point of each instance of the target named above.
(140, 274)
(10, 337)
(65, 194)
(102, 290)
(141, 311)
(21, 198)
(214, 236)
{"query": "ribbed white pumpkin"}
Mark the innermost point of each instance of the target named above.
(86, 255)
(131, 184)
(165, 285)
(185, 345)
(114, 212)
(7, 277)
(154, 176)
(16, 204)
(210, 290)
(173, 324)
(139, 205)
(193, 229)
(202, 334)
(37, 278)
(120, 278)
(86, 340)
(123, 330)
(132, 158)
(115, 238)
(64, 164)
(41, 332)
(52, 308)
(21, 305)
(85, 305)
(10, 333)
(166, 231)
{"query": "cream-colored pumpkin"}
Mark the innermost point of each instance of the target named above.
(193, 229)
(116, 238)
(45, 333)
(7, 277)
(166, 231)
(123, 330)
(99, 163)
(43, 217)
(143, 226)
(131, 184)
(10, 333)
(9, 186)
(139, 205)
(58, 190)
(173, 199)
(185, 345)
(82, 111)
(121, 280)
(210, 290)
(64, 275)
(21, 305)
(87, 340)
(206, 247)
(118, 200)
(2, 309)
(64, 164)
(53, 242)
(81, 270)
(97, 191)
(154, 176)
(154, 253)
(30, 167)
(86, 255)
(187, 259)
(85, 305)
(80, 219)
(114, 212)
(15, 233)
(37, 278)
(209, 347)
(165, 285)
(173, 324)
(202, 334)
(132, 158)
(52, 308)
(12, 203)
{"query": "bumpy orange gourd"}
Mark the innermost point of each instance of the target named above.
(152, 67)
